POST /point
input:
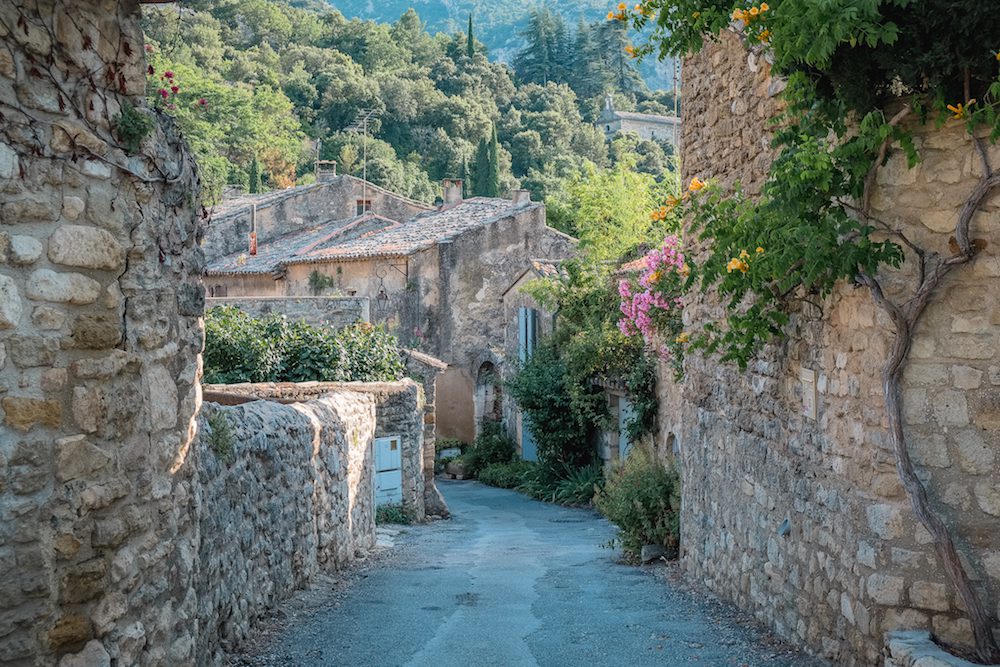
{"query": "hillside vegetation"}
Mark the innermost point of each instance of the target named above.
(256, 84)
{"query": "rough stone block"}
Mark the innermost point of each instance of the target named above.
(928, 595)
(47, 318)
(10, 303)
(88, 408)
(885, 589)
(974, 455)
(24, 250)
(86, 247)
(71, 632)
(988, 495)
(951, 408)
(75, 288)
(92, 655)
(97, 331)
(25, 413)
(885, 520)
(33, 351)
(73, 207)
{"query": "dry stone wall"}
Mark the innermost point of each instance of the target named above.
(399, 410)
(336, 312)
(284, 492)
(803, 521)
(100, 299)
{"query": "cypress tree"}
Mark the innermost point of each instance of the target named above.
(486, 177)
(256, 184)
(470, 45)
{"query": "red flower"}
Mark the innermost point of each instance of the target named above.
(149, 48)
(169, 74)
(150, 71)
(163, 93)
(174, 89)
(203, 102)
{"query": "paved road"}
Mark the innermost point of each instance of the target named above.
(511, 582)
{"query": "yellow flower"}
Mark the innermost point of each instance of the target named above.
(685, 270)
(961, 110)
(764, 7)
(621, 6)
(638, 8)
(682, 337)
(672, 202)
(764, 36)
(998, 55)
(737, 14)
(698, 14)
(760, 251)
(654, 277)
(737, 264)
(696, 184)
(630, 50)
(754, 11)
(744, 254)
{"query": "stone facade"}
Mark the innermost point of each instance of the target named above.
(100, 300)
(436, 280)
(326, 311)
(399, 410)
(802, 520)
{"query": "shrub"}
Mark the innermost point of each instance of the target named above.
(492, 445)
(580, 485)
(540, 389)
(642, 498)
(243, 348)
(393, 514)
(508, 475)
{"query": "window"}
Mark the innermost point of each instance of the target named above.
(363, 206)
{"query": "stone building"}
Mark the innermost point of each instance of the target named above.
(435, 276)
(665, 129)
(791, 503)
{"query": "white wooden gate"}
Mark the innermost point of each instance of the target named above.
(388, 471)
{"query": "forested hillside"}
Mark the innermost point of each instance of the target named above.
(256, 84)
(501, 22)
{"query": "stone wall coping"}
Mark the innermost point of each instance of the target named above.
(915, 648)
(425, 359)
(219, 299)
(296, 392)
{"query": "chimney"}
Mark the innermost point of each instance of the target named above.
(520, 197)
(452, 192)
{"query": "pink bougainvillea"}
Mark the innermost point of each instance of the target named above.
(651, 304)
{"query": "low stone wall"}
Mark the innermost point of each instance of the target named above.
(335, 312)
(399, 410)
(283, 492)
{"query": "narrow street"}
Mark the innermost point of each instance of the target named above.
(511, 581)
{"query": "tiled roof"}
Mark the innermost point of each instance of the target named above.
(357, 238)
(416, 234)
(272, 254)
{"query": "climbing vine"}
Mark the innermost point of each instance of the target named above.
(861, 75)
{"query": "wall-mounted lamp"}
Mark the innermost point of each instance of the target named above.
(381, 300)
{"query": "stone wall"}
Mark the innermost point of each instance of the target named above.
(100, 299)
(803, 521)
(399, 410)
(284, 492)
(326, 311)
(425, 370)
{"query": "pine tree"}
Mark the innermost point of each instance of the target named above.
(256, 184)
(470, 45)
(620, 70)
(585, 71)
